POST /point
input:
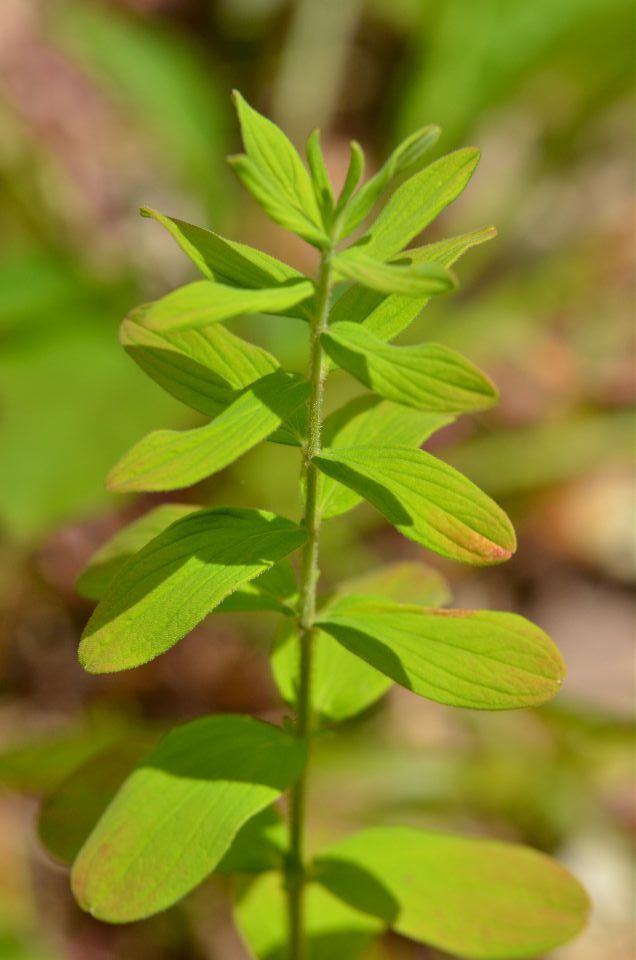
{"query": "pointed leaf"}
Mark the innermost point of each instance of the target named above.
(427, 377)
(387, 316)
(177, 814)
(369, 420)
(202, 302)
(464, 658)
(105, 563)
(163, 592)
(320, 177)
(173, 459)
(342, 684)
(205, 368)
(428, 501)
(352, 178)
(272, 155)
(406, 156)
(417, 202)
(475, 898)
(225, 261)
(267, 194)
(335, 931)
(407, 279)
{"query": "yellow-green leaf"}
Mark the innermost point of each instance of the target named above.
(175, 817)
(202, 302)
(428, 376)
(474, 898)
(206, 367)
(417, 202)
(428, 501)
(464, 658)
(404, 278)
(370, 420)
(177, 579)
(174, 459)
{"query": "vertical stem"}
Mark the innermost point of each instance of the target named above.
(307, 612)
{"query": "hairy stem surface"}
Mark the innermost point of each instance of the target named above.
(307, 610)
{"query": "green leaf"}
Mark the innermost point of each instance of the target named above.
(225, 261)
(268, 196)
(352, 178)
(407, 279)
(274, 173)
(387, 316)
(108, 560)
(202, 302)
(428, 501)
(275, 590)
(475, 898)
(428, 377)
(369, 420)
(177, 814)
(405, 157)
(259, 846)
(463, 658)
(173, 459)
(68, 815)
(177, 579)
(417, 202)
(320, 177)
(204, 368)
(404, 582)
(334, 930)
(342, 684)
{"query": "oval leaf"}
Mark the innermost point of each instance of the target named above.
(479, 899)
(177, 814)
(174, 459)
(163, 592)
(94, 580)
(464, 658)
(68, 815)
(370, 420)
(427, 377)
(428, 501)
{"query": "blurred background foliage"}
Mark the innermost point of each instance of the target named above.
(108, 105)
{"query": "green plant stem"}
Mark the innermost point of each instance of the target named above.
(307, 611)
